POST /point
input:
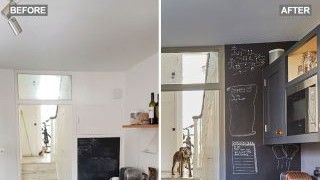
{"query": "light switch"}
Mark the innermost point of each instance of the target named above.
(117, 93)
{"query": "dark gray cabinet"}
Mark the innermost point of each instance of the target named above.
(286, 91)
(274, 99)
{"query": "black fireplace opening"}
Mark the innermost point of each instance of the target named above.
(98, 158)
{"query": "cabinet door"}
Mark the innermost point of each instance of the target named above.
(274, 99)
(168, 125)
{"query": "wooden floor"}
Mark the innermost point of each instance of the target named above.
(167, 176)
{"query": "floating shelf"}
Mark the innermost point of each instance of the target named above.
(141, 126)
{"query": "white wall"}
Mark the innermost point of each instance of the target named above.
(8, 127)
(98, 106)
(171, 63)
(98, 109)
(101, 110)
(310, 157)
(141, 80)
(64, 139)
(101, 104)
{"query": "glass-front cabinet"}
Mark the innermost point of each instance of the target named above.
(303, 59)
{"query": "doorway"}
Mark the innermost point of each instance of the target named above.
(192, 113)
(37, 132)
(45, 126)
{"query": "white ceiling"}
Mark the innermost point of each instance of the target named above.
(82, 35)
(219, 22)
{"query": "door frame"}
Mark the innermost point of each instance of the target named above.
(220, 86)
(19, 102)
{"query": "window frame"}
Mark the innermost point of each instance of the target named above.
(219, 86)
(42, 101)
(198, 86)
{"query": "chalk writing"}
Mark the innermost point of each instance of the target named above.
(241, 102)
(244, 60)
(244, 157)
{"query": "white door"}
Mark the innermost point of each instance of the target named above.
(30, 130)
(168, 131)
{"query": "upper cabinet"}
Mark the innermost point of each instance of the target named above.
(303, 59)
(274, 99)
(291, 98)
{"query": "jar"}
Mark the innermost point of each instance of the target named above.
(309, 60)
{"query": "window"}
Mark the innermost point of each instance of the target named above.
(189, 68)
(44, 87)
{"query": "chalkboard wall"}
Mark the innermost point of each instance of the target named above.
(98, 158)
(246, 156)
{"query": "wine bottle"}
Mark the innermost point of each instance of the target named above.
(152, 106)
(157, 110)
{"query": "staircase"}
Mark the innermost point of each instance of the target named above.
(39, 171)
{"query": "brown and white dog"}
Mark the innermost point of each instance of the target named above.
(182, 156)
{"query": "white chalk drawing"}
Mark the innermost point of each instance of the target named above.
(244, 60)
(284, 154)
(241, 104)
(244, 157)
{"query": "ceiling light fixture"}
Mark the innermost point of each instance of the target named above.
(14, 24)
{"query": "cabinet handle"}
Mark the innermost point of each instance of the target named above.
(279, 132)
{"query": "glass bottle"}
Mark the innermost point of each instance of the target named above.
(309, 60)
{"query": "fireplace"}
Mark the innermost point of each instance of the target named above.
(98, 158)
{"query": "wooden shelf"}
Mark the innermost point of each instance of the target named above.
(141, 126)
